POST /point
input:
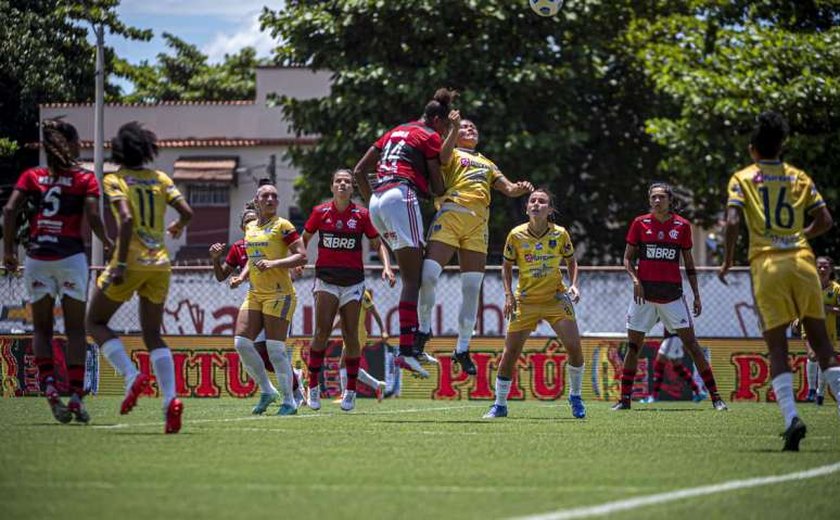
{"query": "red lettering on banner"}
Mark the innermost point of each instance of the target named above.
(181, 359)
(752, 371)
(236, 385)
(548, 366)
(481, 388)
(205, 362)
(30, 375)
(226, 327)
(798, 366)
(447, 381)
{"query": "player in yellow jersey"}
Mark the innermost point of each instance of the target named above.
(775, 198)
(367, 307)
(139, 197)
(461, 226)
(539, 248)
(831, 302)
(273, 247)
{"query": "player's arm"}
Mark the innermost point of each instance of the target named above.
(385, 258)
(96, 224)
(630, 252)
(435, 177)
(451, 137)
(730, 238)
(572, 266)
(379, 323)
(821, 224)
(307, 236)
(512, 189)
(10, 260)
(185, 214)
(125, 228)
(507, 284)
(220, 269)
(360, 171)
(236, 280)
(297, 257)
(691, 273)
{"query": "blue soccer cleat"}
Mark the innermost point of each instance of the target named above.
(648, 400)
(496, 411)
(263, 403)
(287, 409)
(578, 408)
(699, 396)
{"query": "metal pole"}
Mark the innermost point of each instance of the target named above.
(99, 132)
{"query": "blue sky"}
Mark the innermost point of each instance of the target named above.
(217, 27)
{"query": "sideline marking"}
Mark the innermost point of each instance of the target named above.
(670, 496)
(290, 417)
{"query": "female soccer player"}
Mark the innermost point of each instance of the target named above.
(340, 280)
(55, 265)
(273, 247)
(775, 197)
(538, 248)
(461, 226)
(662, 237)
(407, 160)
(831, 301)
(138, 198)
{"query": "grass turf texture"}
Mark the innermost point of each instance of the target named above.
(406, 458)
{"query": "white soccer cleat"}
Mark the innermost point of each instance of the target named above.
(412, 365)
(427, 359)
(348, 402)
(315, 398)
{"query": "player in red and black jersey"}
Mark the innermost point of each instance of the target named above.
(407, 167)
(661, 238)
(340, 280)
(55, 265)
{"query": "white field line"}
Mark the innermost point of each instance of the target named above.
(671, 496)
(290, 417)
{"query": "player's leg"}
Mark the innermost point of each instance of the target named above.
(249, 325)
(658, 372)
(352, 350)
(438, 254)
(74, 328)
(163, 365)
(326, 307)
(42, 321)
(812, 372)
(568, 334)
(820, 342)
(640, 319)
(514, 341)
(277, 313)
(472, 273)
(782, 380)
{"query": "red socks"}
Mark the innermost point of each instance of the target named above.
(316, 361)
(408, 326)
(352, 366)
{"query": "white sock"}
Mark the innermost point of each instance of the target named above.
(282, 367)
(366, 378)
(783, 387)
(426, 302)
(575, 379)
(164, 368)
(253, 363)
(342, 377)
(470, 290)
(832, 378)
(812, 370)
(821, 384)
(502, 391)
(114, 352)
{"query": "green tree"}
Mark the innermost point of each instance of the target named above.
(184, 74)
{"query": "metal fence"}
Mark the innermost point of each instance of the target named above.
(198, 305)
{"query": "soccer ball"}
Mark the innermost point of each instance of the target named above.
(546, 7)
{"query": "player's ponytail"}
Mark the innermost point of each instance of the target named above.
(440, 105)
(134, 145)
(769, 134)
(61, 144)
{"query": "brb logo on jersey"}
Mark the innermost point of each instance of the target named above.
(339, 242)
(657, 252)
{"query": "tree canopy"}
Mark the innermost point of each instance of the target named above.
(595, 102)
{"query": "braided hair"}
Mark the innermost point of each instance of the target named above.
(61, 144)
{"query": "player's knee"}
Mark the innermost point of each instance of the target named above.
(635, 348)
(430, 274)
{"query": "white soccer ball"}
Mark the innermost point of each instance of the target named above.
(546, 7)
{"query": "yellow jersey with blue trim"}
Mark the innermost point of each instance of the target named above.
(147, 192)
(539, 259)
(468, 178)
(830, 297)
(269, 241)
(775, 197)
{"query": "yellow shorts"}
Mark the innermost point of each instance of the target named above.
(786, 287)
(150, 284)
(528, 315)
(279, 305)
(460, 230)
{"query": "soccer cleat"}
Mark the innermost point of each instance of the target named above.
(58, 408)
(348, 402)
(820, 400)
(794, 434)
(264, 402)
(578, 408)
(719, 405)
(420, 340)
(622, 404)
(380, 391)
(812, 395)
(699, 396)
(412, 365)
(315, 398)
(496, 411)
(463, 359)
(134, 391)
(287, 409)
(299, 396)
(648, 400)
(77, 408)
(173, 415)
(427, 359)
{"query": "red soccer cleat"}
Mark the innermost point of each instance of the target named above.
(138, 386)
(173, 415)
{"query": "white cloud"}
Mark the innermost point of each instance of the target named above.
(248, 34)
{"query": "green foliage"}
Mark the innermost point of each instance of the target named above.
(595, 103)
(8, 148)
(185, 75)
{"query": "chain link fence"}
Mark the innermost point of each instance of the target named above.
(199, 305)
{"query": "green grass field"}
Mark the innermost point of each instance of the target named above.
(407, 459)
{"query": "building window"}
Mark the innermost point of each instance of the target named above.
(203, 195)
